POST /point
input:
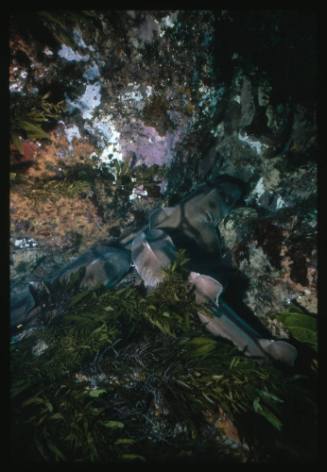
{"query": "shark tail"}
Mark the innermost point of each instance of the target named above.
(228, 324)
(21, 305)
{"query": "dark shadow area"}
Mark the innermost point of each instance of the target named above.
(279, 42)
(234, 294)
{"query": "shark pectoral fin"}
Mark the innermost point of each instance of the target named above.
(151, 252)
(207, 289)
(279, 350)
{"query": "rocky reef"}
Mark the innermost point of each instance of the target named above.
(114, 114)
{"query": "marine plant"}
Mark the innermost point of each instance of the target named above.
(301, 326)
(129, 377)
(28, 116)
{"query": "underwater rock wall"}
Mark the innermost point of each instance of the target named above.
(114, 113)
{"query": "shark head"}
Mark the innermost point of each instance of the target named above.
(231, 192)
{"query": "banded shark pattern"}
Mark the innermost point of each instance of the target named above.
(150, 250)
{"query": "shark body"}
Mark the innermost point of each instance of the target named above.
(151, 249)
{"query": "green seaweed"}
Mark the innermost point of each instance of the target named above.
(302, 327)
(29, 115)
(149, 348)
